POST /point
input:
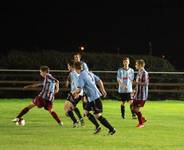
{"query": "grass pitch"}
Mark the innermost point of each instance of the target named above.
(163, 131)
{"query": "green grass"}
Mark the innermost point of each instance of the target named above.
(163, 131)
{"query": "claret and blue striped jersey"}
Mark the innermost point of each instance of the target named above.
(142, 79)
(48, 89)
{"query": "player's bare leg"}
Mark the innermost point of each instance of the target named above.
(23, 112)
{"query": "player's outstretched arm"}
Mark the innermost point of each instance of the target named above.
(101, 87)
(56, 87)
(32, 86)
(76, 92)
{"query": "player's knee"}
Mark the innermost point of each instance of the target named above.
(98, 115)
(123, 103)
(86, 113)
(135, 110)
(68, 106)
(50, 110)
(131, 106)
(30, 106)
(66, 109)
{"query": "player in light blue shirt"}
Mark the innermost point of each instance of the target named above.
(77, 58)
(71, 103)
(87, 82)
(125, 77)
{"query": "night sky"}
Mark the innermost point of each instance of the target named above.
(128, 26)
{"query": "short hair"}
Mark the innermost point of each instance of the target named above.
(140, 62)
(78, 66)
(71, 63)
(44, 68)
(77, 54)
(126, 58)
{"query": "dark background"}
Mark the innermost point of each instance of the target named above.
(129, 27)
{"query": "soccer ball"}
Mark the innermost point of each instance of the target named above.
(21, 122)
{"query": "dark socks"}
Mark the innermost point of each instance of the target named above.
(55, 116)
(105, 123)
(131, 108)
(123, 111)
(78, 113)
(139, 114)
(93, 120)
(23, 112)
(71, 115)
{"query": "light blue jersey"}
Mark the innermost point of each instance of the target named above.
(126, 77)
(84, 66)
(87, 82)
(74, 78)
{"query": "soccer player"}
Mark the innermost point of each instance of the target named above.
(141, 91)
(125, 77)
(71, 103)
(87, 82)
(46, 97)
(77, 58)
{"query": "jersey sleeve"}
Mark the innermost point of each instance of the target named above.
(118, 75)
(96, 77)
(132, 75)
(50, 77)
(85, 67)
(81, 82)
(145, 78)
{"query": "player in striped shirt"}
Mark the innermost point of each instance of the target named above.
(87, 82)
(141, 91)
(71, 103)
(125, 77)
(46, 96)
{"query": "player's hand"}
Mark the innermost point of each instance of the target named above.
(104, 93)
(74, 95)
(56, 88)
(126, 88)
(67, 84)
(27, 87)
(122, 85)
(134, 82)
(85, 99)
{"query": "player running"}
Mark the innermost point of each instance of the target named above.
(125, 77)
(71, 103)
(45, 98)
(87, 82)
(141, 91)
